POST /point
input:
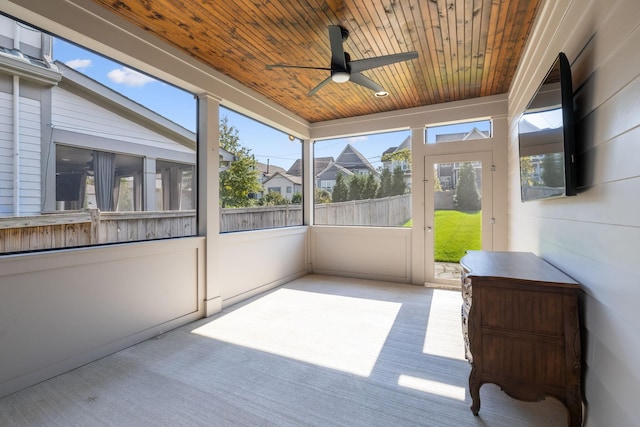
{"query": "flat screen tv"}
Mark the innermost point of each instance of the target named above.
(546, 138)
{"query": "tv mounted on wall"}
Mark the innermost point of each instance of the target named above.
(546, 138)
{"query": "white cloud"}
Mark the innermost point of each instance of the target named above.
(354, 139)
(129, 77)
(79, 64)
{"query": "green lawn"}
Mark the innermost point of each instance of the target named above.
(456, 232)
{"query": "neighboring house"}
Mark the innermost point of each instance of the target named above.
(268, 170)
(404, 165)
(352, 160)
(82, 144)
(349, 162)
(319, 164)
(448, 172)
(284, 184)
(326, 179)
(474, 133)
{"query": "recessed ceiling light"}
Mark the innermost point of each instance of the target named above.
(381, 94)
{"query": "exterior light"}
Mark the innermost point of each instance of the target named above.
(381, 94)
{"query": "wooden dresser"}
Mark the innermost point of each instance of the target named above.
(520, 327)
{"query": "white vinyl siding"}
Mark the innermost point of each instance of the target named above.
(73, 113)
(30, 150)
(30, 179)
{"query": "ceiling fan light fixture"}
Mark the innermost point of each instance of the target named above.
(340, 76)
(381, 94)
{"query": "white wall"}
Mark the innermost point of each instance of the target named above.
(61, 309)
(366, 252)
(256, 261)
(594, 236)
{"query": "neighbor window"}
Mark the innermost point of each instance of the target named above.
(462, 131)
(364, 180)
(263, 160)
(90, 131)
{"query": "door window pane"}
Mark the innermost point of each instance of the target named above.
(457, 223)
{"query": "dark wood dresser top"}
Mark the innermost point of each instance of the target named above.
(523, 266)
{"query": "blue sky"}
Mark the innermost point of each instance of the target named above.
(266, 144)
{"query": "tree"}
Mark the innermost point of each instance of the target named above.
(356, 187)
(370, 187)
(552, 173)
(398, 186)
(526, 171)
(321, 195)
(273, 198)
(296, 199)
(340, 190)
(400, 155)
(436, 181)
(240, 179)
(384, 190)
(466, 197)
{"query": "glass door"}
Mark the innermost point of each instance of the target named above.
(458, 211)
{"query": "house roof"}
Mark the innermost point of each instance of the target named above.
(352, 159)
(403, 145)
(474, 133)
(269, 169)
(319, 164)
(293, 179)
(332, 170)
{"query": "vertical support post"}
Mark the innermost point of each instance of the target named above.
(208, 200)
(417, 206)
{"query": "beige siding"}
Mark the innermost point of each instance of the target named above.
(593, 236)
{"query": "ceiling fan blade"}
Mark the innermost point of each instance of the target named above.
(358, 78)
(272, 66)
(338, 60)
(379, 61)
(322, 83)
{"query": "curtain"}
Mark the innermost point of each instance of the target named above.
(104, 169)
(138, 181)
(171, 188)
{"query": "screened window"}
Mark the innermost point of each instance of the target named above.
(463, 131)
(363, 181)
(264, 162)
(90, 130)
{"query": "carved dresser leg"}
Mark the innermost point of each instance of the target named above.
(574, 404)
(474, 391)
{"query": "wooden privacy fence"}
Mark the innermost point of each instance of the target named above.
(384, 212)
(90, 227)
(259, 217)
(71, 229)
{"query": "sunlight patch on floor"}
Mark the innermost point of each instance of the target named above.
(444, 327)
(332, 331)
(433, 387)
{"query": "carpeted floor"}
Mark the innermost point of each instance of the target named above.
(319, 351)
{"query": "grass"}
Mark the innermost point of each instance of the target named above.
(456, 232)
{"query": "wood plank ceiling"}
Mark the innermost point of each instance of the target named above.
(467, 48)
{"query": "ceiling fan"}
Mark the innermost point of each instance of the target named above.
(343, 69)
